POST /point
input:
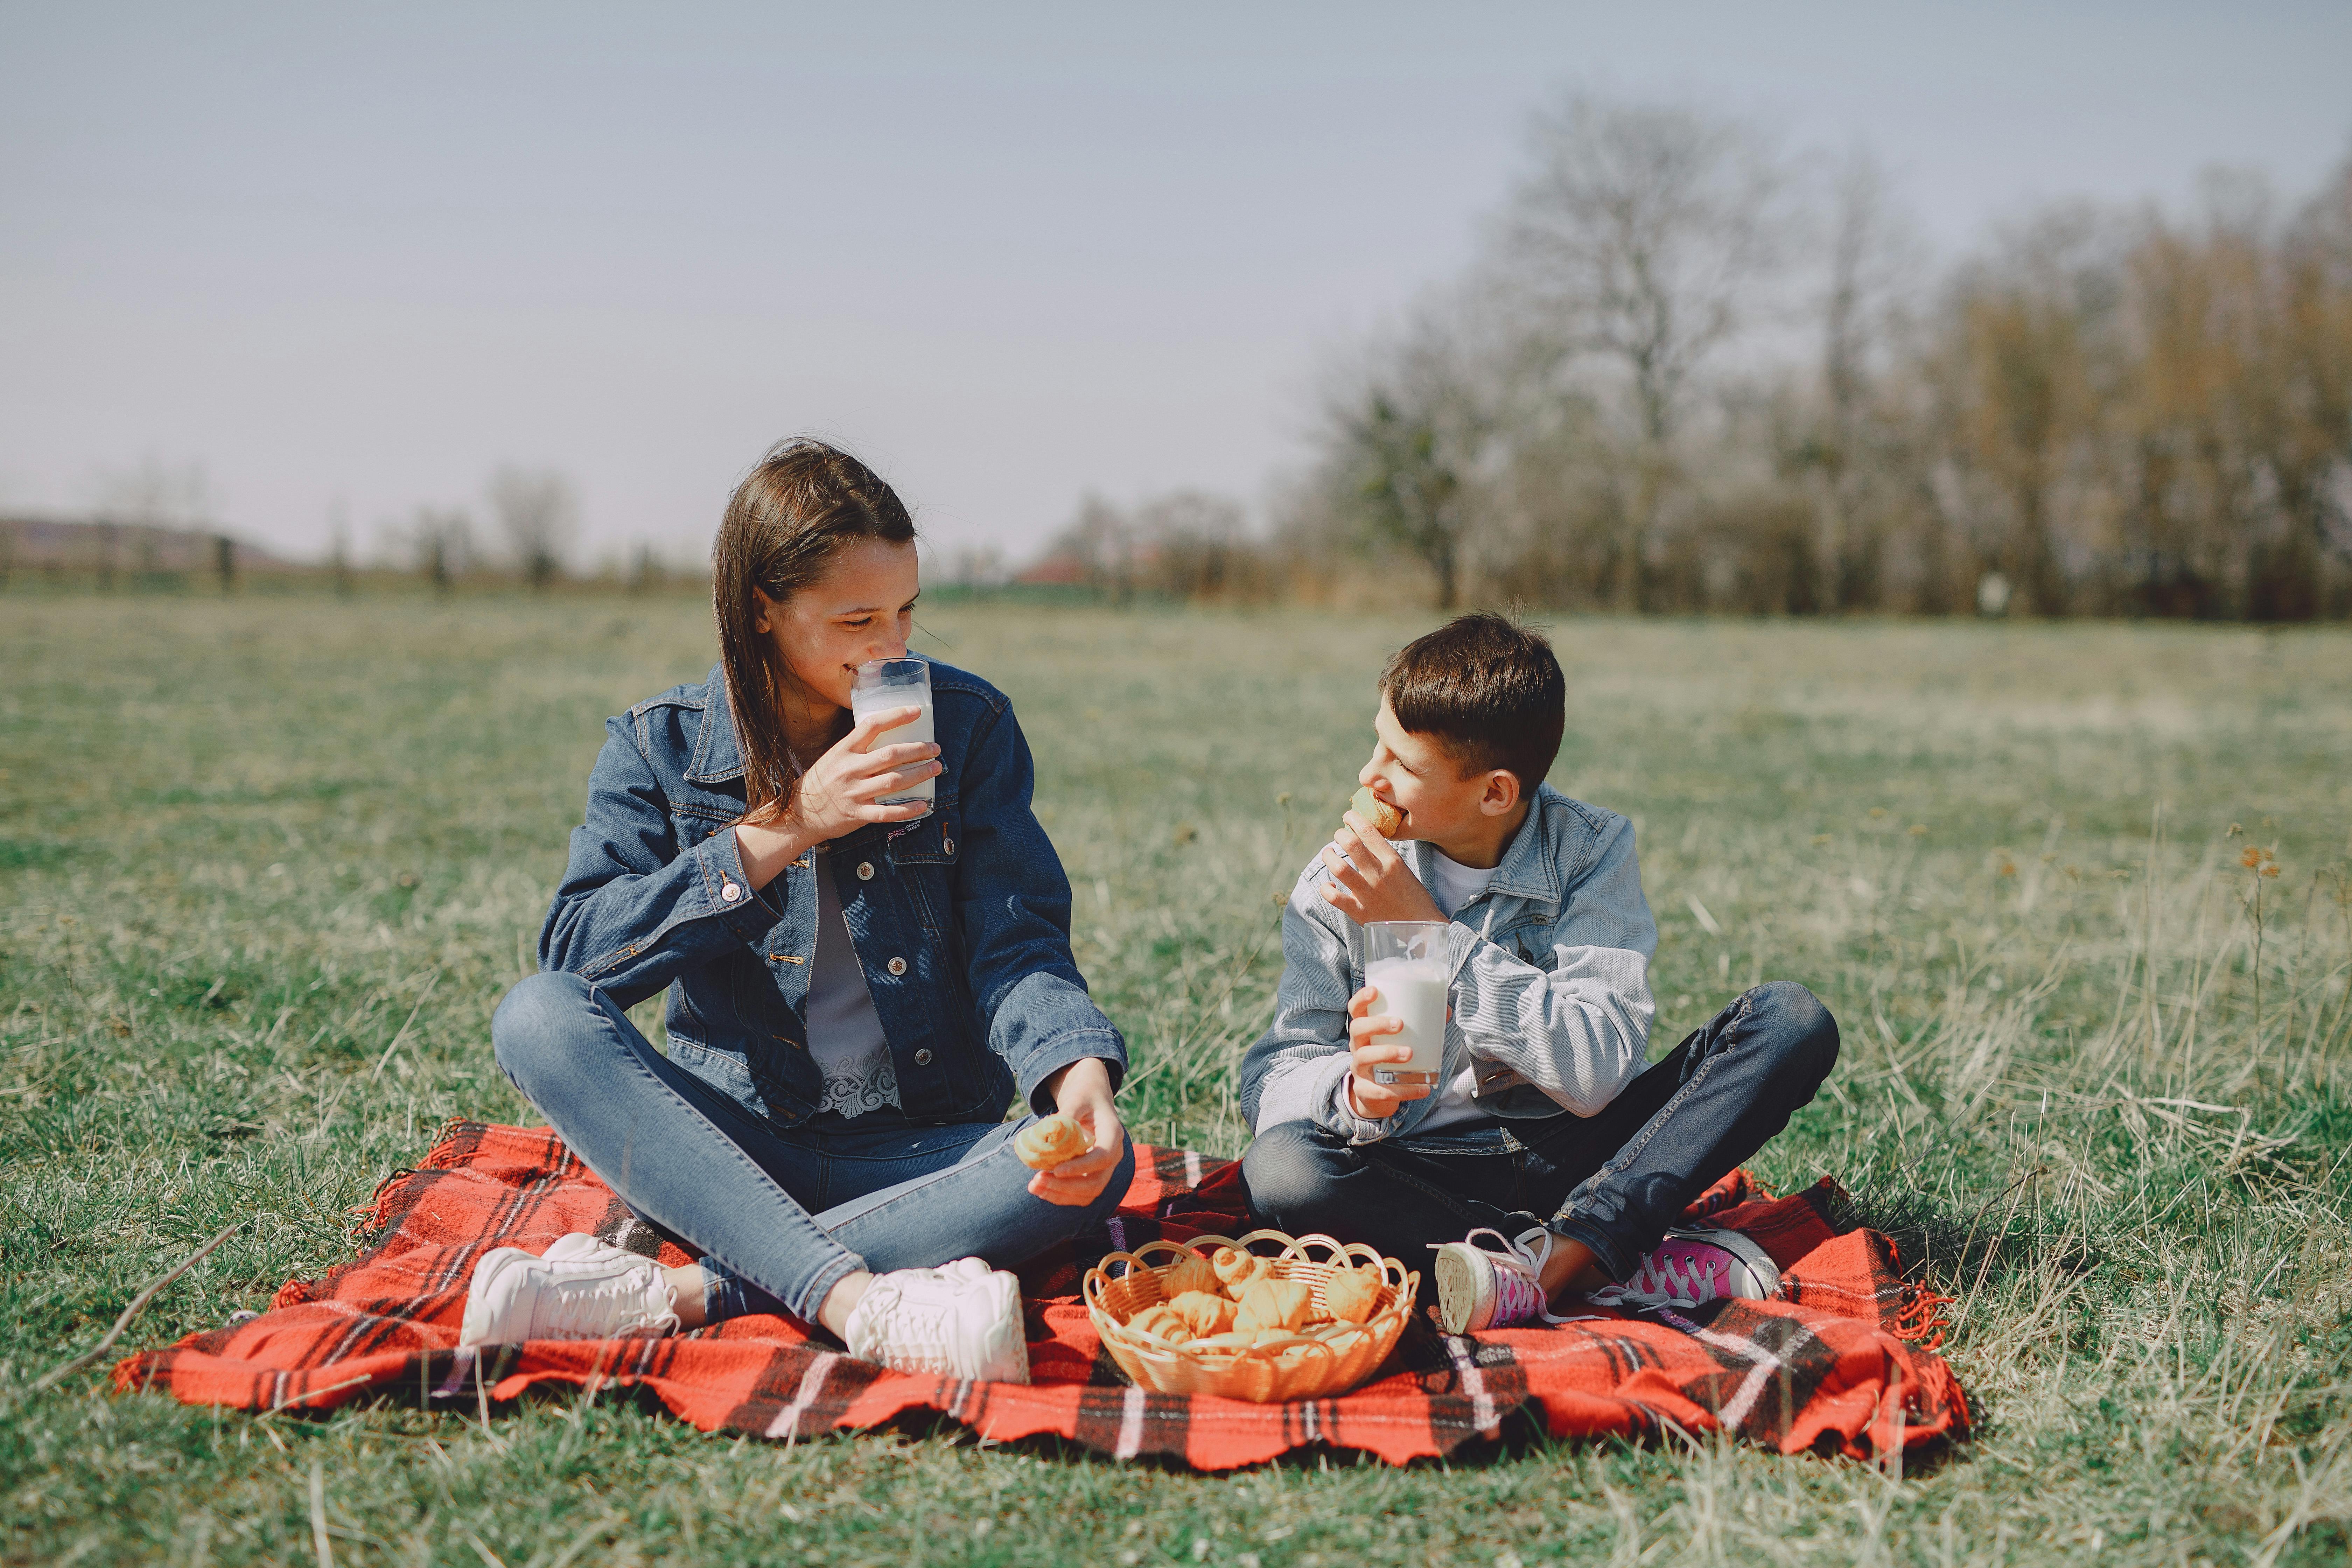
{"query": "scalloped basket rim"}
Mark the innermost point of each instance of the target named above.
(1257, 1373)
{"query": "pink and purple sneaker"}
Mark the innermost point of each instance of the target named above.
(1497, 1284)
(1693, 1266)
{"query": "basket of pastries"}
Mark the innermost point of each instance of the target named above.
(1267, 1317)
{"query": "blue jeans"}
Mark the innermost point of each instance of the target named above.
(781, 1214)
(1614, 1181)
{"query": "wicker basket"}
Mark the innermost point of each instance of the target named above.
(1319, 1361)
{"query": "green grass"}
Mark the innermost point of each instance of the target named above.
(266, 866)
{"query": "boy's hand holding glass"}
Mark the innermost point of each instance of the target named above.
(1373, 1041)
(1369, 881)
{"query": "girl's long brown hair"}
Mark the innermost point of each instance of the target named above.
(785, 524)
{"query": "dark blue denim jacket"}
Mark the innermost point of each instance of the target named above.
(961, 921)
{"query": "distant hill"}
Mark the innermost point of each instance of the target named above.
(92, 544)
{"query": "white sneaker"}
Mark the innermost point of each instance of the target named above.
(961, 1320)
(1481, 1286)
(1694, 1267)
(583, 1289)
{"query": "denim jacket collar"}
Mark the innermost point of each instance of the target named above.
(717, 756)
(1530, 869)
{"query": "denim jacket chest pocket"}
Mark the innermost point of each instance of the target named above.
(923, 853)
(1528, 938)
(751, 1003)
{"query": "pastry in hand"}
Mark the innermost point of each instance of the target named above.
(1159, 1318)
(1190, 1271)
(1386, 819)
(1047, 1141)
(1274, 1304)
(1237, 1267)
(1203, 1312)
(1352, 1295)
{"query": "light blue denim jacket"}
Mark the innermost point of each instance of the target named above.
(961, 921)
(1548, 973)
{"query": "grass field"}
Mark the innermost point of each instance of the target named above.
(266, 866)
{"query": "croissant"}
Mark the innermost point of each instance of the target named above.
(1236, 1268)
(1352, 1295)
(1161, 1319)
(1203, 1313)
(1385, 818)
(1047, 1141)
(1274, 1304)
(1189, 1272)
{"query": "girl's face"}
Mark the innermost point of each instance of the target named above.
(861, 609)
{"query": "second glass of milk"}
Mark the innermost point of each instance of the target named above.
(886, 683)
(1405, 962)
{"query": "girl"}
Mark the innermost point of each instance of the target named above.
(856, 989)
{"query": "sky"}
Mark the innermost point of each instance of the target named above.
(347, 261)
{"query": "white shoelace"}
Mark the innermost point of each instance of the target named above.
(580, 1310)
(1658, 1282)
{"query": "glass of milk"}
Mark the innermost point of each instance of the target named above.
(1405, 962)
(886, 683)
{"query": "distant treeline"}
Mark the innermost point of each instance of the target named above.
(152, 541)
(1689, 372)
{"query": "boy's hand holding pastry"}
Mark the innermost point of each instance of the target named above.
(1368, 880)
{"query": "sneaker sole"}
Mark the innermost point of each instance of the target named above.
(1457, 1291)
(1010, 1363)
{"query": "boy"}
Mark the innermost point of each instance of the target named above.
(1546, 1163)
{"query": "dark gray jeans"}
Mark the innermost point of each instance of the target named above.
(1613, 1181)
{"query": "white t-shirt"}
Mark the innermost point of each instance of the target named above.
(844, 1032)
(1456, 886)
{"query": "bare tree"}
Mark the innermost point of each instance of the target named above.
(538, 512)
(1100, 544)
(1874, 260)
(149, 497)
(1408, 438)
(441, 541)
(1640, 244)
(1194, 541)
(2031, 371)
(339, 549)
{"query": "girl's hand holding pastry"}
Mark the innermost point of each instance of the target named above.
(1082, 1092)
(1050, 1141)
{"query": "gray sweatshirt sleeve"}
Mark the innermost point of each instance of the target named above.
(1578, 1031)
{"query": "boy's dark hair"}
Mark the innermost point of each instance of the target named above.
(1488, 690)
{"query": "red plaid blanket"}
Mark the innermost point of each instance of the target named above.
(1835, 1365)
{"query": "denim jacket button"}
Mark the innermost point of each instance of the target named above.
(923, 1057)
(947, 846)
(729, 892)
(897, 966)
(865, 870)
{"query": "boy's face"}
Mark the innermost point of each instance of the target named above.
(1441, 802)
